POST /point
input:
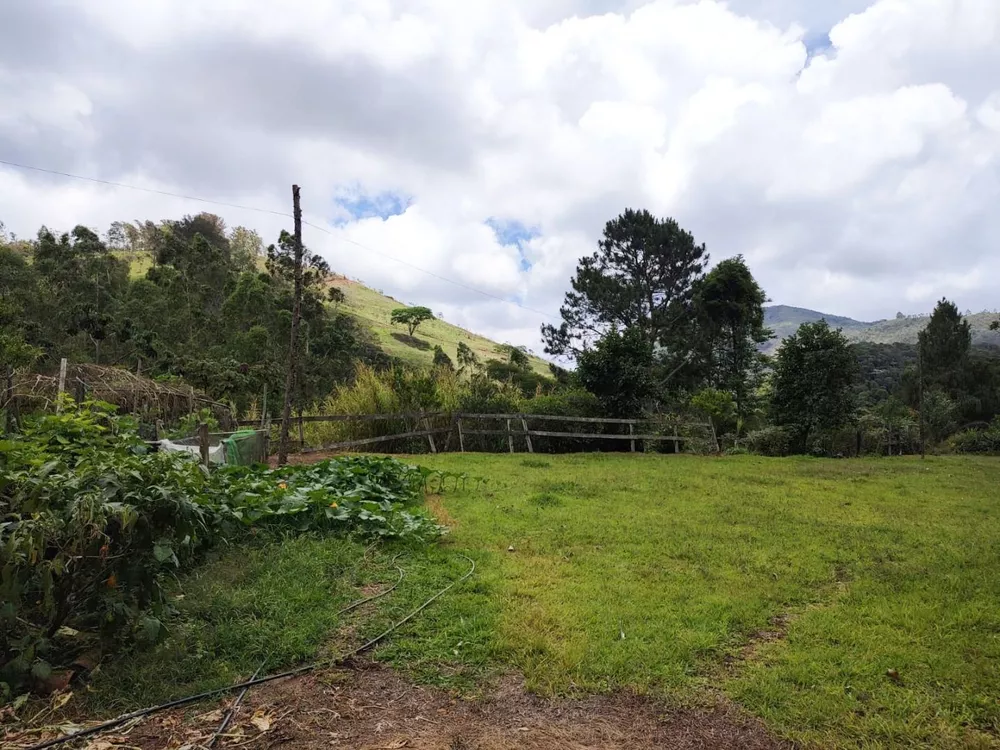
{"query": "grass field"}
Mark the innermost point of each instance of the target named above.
(846, 603)
(374, 309)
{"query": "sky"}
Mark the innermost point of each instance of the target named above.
(848, 149)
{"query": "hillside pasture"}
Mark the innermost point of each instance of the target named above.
(374, 310)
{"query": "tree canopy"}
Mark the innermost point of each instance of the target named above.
(641, 278)
(205, 311)
(730, 305)
(944, 348)
(813, 374)
(411, 317)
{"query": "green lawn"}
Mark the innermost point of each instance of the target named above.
(654, 573)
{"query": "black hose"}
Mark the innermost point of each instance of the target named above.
(355, 605)
(239, 699)
(250, 683)
(232, 710)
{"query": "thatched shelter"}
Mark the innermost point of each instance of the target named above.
(133, 394)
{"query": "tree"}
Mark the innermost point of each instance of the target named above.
(246, 248)
(411, 317)
(18, 293)
(619, 371)
(85, 281)
(467, 359)
(441, 358)
(813, 373)
(730, 303)
(717, 405)
(944, 349)
(641, 277)
(516, 356)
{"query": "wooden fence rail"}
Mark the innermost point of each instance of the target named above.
(351, 418)
(514, 426)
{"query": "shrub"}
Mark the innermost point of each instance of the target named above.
(91, 524)
(976, 441)
(769, 441)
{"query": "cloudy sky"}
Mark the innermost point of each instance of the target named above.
(849, 149)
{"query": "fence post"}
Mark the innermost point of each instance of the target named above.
(510, 438)
(631, 431)
(62, 384)
(302, 433)
(203, 442)
(430, 438)
(461, 438)
(527, 437)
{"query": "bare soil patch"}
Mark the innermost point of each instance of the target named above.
(374, 708)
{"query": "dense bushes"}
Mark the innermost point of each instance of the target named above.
(977, 441)
(91, 524)
(403, 390)
(769, 441)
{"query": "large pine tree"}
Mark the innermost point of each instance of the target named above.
(641, 278)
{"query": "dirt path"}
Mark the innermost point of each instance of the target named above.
(373, 708)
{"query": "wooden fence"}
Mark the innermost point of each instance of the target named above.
(514, 426)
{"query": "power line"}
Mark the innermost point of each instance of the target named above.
(275, 213)
(144, 189)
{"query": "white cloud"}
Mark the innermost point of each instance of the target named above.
(859, 179)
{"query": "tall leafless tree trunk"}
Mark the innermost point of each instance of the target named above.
(286, 413)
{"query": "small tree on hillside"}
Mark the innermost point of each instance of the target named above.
(441, 358)
(813, 374)
(411, 317)
(516, 356)
(467, 359)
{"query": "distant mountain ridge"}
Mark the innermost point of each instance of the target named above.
(784, 320)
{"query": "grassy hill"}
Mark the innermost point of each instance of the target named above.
(374, 309)
(785, 320)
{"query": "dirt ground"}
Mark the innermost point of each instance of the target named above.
(370, 707)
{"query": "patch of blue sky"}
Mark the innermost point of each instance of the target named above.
(817, 43)
(513, 232)
(361, 205)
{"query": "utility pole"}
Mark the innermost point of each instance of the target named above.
(286, 412)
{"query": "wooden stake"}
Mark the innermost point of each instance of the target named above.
(715, 436)
(461, 438)
(631, 431)
(527, 437)
(286, 412)
(62, 384)
(203, 442)
(430, 438)
(510, 438)
(8, 402)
